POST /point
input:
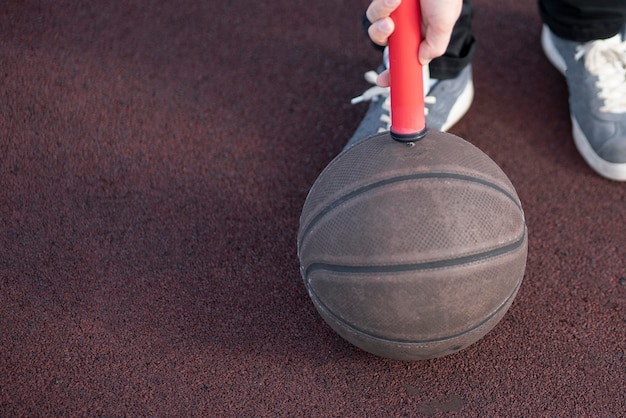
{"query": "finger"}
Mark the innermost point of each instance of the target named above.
(439, 18)
(434, 44)
(383, 79)
(432, 47)
(380, 30)
(379, 9)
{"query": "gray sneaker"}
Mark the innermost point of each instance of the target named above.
(596, 78)
(446, 103)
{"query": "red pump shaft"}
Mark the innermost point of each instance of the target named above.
(408, 122)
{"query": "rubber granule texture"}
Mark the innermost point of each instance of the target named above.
(154, 160)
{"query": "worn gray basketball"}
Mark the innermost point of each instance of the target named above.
(412, 251)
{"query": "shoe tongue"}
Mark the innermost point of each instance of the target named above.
(386, 57)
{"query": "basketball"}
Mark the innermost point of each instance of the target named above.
(412, 251)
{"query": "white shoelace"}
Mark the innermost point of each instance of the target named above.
(606, 59)
(376, 93)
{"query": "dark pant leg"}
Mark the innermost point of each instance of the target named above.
(583, 21)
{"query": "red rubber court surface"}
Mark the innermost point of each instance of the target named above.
(154, 159)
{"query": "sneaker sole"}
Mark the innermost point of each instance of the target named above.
(461, 107)
(551, 53)
(611, 171)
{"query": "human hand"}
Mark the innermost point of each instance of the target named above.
(438, 19)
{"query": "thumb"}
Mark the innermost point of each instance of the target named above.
(433, 45)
